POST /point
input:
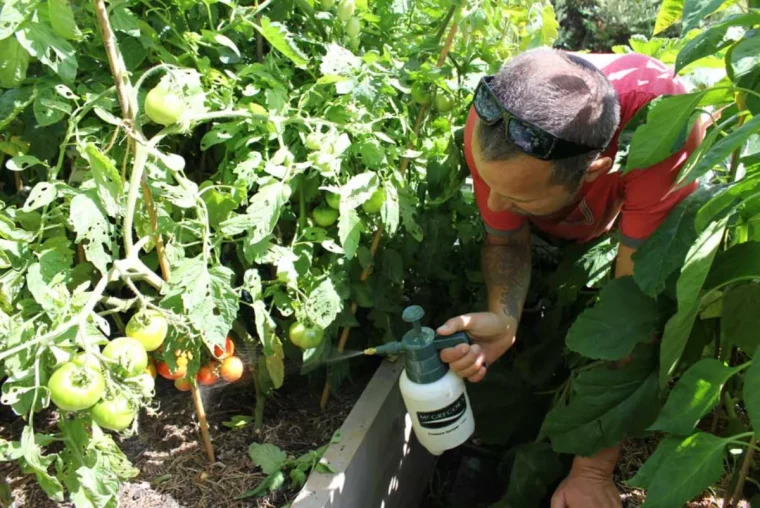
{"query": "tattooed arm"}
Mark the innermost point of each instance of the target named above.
(506, 269)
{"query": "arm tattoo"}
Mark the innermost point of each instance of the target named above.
(506, 269)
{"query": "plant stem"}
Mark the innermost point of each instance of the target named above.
(736, 494)
(201, 412)
(381, 229)
(115, 60)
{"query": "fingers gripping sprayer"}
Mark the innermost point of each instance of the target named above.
(435, 398)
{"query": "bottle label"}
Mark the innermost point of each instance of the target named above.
(445, 416)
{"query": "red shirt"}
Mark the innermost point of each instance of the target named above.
(642, 197)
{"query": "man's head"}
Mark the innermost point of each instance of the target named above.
(564, 95)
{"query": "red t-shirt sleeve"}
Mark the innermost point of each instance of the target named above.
(649, 195)
(496, 223)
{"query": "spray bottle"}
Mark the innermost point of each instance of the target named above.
(435, 398)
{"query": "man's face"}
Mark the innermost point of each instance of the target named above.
(521, 185)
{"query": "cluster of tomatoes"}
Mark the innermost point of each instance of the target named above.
(224, 366)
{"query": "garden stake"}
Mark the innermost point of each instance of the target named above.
(123, 88)
(379, 233)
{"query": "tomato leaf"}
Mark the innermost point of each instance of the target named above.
(358, 190)
(744, 57)
(389, 213)
(666, 249)
(40, 463)
(281, 39)
(623, 317)
(62, 19)
(264, 210)
(107, 180)
(693, 275)
(41, 42)
(324, 304)
(649, 470)
(740, 262)
(267, 456)
(350, 229)
(12, 14)
(14, 60)
(122, 20)
(607, 404)
(751, 392)
(684, 470)
(275, 365)
(695, 394)
(668, 125)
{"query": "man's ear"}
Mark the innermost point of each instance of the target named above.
(597, 168)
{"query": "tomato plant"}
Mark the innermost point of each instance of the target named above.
(231, 369)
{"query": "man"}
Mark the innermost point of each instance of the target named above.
(540, 142)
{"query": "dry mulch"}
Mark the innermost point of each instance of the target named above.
(174, 469)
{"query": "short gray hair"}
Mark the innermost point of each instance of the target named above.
(564, 95)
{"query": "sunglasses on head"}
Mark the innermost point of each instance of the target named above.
(529, 138)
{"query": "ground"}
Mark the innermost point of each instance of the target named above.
(174, 470)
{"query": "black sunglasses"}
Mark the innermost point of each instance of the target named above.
(529, 138)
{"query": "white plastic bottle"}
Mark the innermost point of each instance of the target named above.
(440, 411)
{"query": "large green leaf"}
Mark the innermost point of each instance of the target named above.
(12, 15)
(714, 39)
(723, 149)
(665, 131)
(350, 230)
(607, 405)
(692, 278)
(623, 318)
(740, 262)
(91, 223)
(742, 322)
(49, 48)
(669, 13)
(744, 57)
(62, 19)
(280, 38)
(751, 392)
(665, 251)
(695, 11)
(535, 467)
(648, 471)
(14, 61)
(728, 199)
(685, 470)
(695, 394)
(267, 456)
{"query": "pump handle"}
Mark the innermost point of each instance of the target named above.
(447, 341)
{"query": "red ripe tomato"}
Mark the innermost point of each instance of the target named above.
(163, 370)
(208, 375)
(182, 384)
(229, 349)
(232, 369)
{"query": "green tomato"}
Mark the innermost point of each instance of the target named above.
(149, 327)
(113, 414)
(327, 4)
(87, 360)
(419, 94)
(145, 384)
(129, 354)
(163, 106)
(346, 10)
(314, 141)
(324, 216)
(443, 102)
(305, 337)
(375, 202)
(333, 200)
(354, 27)
(74, 387)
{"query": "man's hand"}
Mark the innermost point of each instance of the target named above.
(589, 484)
(492, 335)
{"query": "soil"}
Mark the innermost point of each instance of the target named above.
(174, 469)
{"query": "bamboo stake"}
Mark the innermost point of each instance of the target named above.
(123, 88)
(379, 233)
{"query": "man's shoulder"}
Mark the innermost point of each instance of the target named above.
(634, 72)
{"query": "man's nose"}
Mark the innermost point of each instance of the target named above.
(497, 203)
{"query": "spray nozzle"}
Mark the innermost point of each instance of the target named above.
(439, 342)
